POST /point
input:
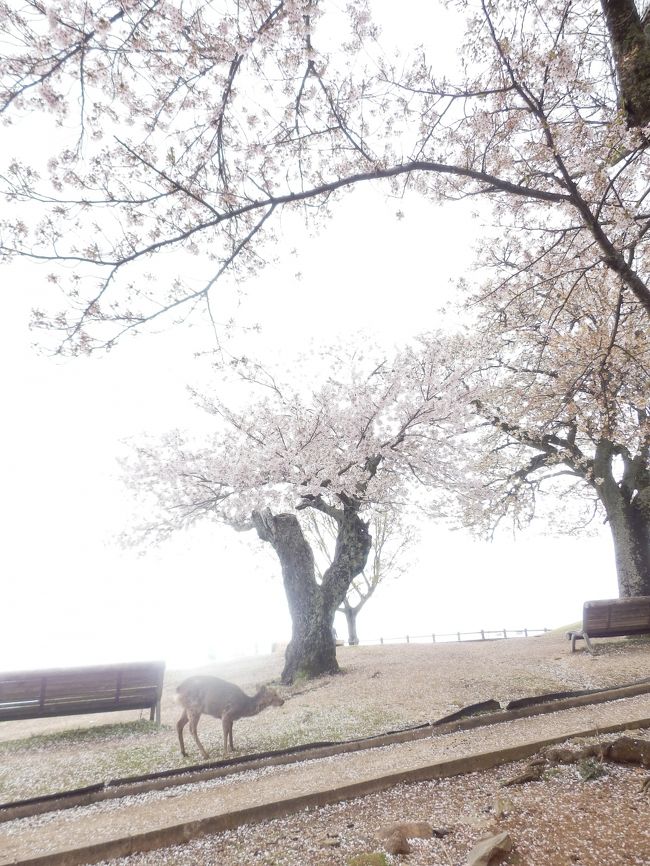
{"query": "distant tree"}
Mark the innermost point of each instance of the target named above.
(187, 129)
(392, 539)
(360, 441)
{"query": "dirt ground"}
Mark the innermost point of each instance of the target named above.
(396, 684)
(563, 819)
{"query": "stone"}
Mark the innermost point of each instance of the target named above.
(502, 806)
(558, 755)
(397, 834)
(397, 843)
(537, 762)
(409, 829)
(482, 853)
(629, 750)
(530, 774)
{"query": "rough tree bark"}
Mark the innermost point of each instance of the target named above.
(631, 51)
(627, 505)
(391, 538)
(312, 649)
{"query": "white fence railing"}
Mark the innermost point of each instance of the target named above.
(481, 634)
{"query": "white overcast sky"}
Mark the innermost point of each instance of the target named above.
(71, 595)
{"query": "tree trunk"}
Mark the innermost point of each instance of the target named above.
(627, 505)
(312, 649)
(351, 619)
(631, 52)
(631, 536)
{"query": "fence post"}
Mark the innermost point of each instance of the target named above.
(407, 639)
(525, 632)
(433, 638)
(381, 640)
(505, 633)
(482, 635)
(458, 633)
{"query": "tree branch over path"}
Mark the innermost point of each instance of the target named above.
(229, 117)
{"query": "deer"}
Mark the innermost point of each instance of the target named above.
(221, 699)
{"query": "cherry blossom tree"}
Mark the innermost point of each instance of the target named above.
(562, 427)
(392, 539)
(361, 440)
(184, 130)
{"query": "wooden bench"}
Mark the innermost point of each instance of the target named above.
(613, 617)
(73, 691)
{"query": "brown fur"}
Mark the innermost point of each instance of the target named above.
(221, 699)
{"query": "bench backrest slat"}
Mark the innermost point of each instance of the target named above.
(70, 691)
(616, 617)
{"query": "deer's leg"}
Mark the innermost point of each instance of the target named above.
(227, 722)
(180, 724)
(194, 722)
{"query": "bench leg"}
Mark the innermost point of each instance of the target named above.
(573, 636)
(590, 645)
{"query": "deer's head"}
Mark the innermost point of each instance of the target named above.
(267, 697)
